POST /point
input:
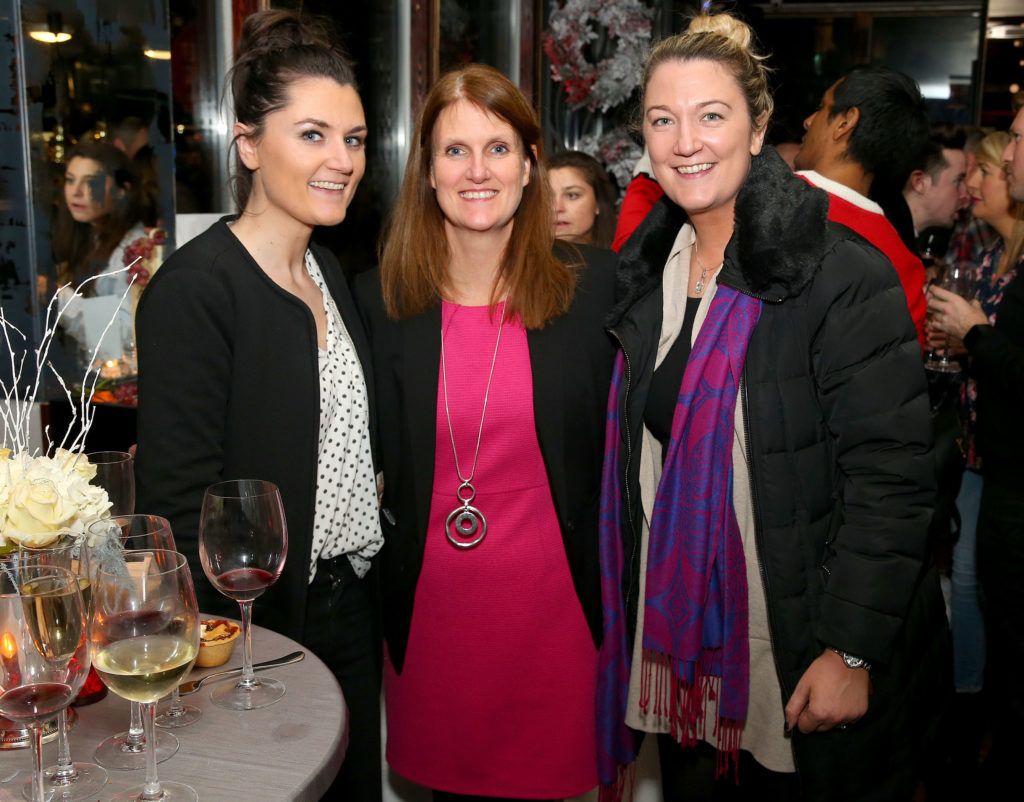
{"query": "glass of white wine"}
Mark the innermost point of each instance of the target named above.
(126, 750)
(144, 632)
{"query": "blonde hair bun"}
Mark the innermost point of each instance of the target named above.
(737, 32)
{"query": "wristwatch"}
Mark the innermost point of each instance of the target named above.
(852, 661)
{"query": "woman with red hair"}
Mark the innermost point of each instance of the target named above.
(492, 367)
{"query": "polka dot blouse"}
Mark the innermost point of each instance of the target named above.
(346, 518)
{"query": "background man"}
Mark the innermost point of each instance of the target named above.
(871, 123)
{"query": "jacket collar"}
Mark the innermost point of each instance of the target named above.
(777, 245)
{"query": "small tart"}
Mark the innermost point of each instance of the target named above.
(216, 642)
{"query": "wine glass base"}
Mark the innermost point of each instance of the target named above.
(88, 782)
(170, 718)
(943, 367)
(262, 693)
(114, 753)
(173, 792)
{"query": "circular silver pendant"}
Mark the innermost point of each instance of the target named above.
(465, 527)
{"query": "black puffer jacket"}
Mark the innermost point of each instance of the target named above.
(839, 446)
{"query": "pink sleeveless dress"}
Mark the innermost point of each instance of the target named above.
(497, 694)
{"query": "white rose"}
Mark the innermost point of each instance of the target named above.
(74, 461)
(37, 513)
(6, 465)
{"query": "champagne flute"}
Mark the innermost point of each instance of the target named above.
(144, 632)
(67, 780)
(115, 473)
(126, 751)
(243, 542)
(45, 655)
(956, 279)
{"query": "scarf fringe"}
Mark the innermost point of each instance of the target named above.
(623, 787)
(683, 705)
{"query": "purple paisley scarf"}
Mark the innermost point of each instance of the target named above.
(695, 628)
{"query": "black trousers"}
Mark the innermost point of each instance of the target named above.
(1001, 572)
(688, 775)
(343, 630)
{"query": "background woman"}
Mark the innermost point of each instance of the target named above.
(988, 550)
(992, 205)
(767, 481)
(101, 214)
(252, 363)
(492, 368)
(583, 200)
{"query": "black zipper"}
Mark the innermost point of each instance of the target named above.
(629, 458)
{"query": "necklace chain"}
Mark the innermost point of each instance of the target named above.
(700, 286)
(465, 527)
(483, 413)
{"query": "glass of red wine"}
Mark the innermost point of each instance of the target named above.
(67, 780)
(44, 651)
(243, 542)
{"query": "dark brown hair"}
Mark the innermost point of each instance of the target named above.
(596, 176)
(276, 48)
(83, 249)
(415, 256)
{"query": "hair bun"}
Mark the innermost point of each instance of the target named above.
(272, 31)
(725, 25)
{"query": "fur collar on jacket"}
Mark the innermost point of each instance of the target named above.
(777, 245)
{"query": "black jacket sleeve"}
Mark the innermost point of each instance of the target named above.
(185, 365)
(873, 393)
(997, 352)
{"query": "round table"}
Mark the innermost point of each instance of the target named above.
(290, 750)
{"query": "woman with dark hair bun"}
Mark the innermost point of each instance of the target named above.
(253, 364)
(583, 199)
(492, 368)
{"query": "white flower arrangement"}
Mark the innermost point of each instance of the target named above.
(45, 496)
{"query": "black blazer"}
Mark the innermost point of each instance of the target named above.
(229, 389)
(571, 361)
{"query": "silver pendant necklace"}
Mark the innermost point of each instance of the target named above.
(465, 526)
(698, 288)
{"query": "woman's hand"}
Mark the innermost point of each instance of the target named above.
(953, 315)
(952, 346)
(828, 695)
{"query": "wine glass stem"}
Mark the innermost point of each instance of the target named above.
(151, 789)
(36, 731)
(176, 708)
(248, 675)
(65, 771)
(136, 734)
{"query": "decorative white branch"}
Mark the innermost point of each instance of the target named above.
(16, 405)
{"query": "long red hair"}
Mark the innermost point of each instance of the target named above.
(415, 256)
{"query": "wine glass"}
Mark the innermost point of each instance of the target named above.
(67, 780)
(243, 542)
(126, 751)
(144, 632)
(45, 654)
(115, 473)
(956, 279)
